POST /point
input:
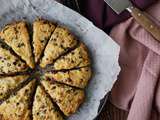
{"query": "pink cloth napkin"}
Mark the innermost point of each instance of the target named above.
(137, 89)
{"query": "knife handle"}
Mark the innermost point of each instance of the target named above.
(145, 22)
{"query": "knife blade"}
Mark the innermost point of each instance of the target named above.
(120, 5)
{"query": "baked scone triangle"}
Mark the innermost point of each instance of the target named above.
(43, 108)
(18, 107)
(77, 58)
(10, 83)
(76, 77)
(67, 98)
(17, 37)
(60, 42)
(42, 30)
(9, 63)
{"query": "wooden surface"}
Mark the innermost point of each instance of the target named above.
(110, 112)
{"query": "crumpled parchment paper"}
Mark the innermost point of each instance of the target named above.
(104, 51)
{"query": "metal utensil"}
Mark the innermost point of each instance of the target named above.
(120, 5)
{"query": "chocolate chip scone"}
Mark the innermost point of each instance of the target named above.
(10, 63)
(8, 84)
(75, 59)
(60, 42)
(67, 98)
(42, 30)
(43, 108)
(17, 37)
(76, 77)
(18, 106)
(46, 82)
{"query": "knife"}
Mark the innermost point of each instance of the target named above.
(120, 5)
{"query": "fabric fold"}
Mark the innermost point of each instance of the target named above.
(137, 87)
(141, 107)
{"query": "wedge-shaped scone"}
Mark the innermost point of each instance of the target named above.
(18, 107)
(17, 37)
(9, 63)
(78, 77)
(42, 30)
(43, 108)
(76, 58)
(10, 83)
(60, 42)
(67, 98)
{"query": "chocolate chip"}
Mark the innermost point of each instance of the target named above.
(15, 62)
(19, 65)
(55, 44)
(17, 104)
(8, 64)
(20, 45)
(54, 87)
(42, 41)
(72, 61)
(69, 80)
(72, 53)
(26, 91)
(61, 46)
(16, 31)
(80, 57)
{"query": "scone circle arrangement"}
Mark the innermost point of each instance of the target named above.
(43, 71)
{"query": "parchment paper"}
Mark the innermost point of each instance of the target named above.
(104, 51)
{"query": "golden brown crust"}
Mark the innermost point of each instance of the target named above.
(67, 98)
(78, 77)
(70, 62)
(42, 30)
(76, 58)
(43, 109)
(17, 37)
(10, 83)
(60, 42)
(17, 107)
(9, 63)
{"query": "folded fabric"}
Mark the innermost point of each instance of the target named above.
(138, 86)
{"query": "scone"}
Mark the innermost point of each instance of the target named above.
(17, 37)
(9, 63)
(67, 98)
(43, 108)
(76, 77)
(17, 107)
(10, 83)
(60, 42)
(75, 59)
(42, 30)
(41, 78)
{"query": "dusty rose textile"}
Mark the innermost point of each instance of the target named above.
(138, 86)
